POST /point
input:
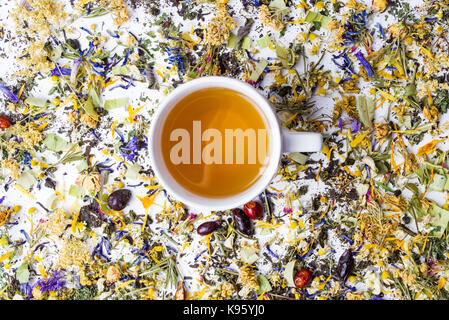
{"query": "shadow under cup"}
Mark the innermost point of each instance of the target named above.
(184, 141)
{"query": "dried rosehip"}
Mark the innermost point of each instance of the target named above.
(119, 199)
(207, 227)
(253, 210)
(242, 223)
(302, 278)
(5, 123)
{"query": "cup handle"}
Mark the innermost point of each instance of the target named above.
(301, 141)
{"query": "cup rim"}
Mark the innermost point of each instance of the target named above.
(169, 183)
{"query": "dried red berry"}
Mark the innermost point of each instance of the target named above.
(253, 210)
(4, 122)
(302, 278)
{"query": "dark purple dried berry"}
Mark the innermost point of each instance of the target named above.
(119, 199)
(49, 183)
(207, 227)
(242, 222)
(345, 265)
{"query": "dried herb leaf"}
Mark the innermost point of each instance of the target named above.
(365, 108)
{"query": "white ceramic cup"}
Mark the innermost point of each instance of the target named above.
(280, 141)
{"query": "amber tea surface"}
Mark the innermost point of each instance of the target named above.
(215, 142)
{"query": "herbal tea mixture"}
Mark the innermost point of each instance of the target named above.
(83, 215)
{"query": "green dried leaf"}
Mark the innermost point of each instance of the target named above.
(37, 102)
(286, 56)
(133, 172)
(56, 53)
(405, 121)
(314, 17)
(438, 183)
(412, 187)
(423, 175)
(417, 207)
(441, 224)
(246, 43)
(27, 179)
(76, 191)
(94, 96)
(70, 157)
(365, 109)
(82, 166)
(264, 42)
(56, 144)
(386, 188)
(249, 255)
(298, 157)
(120, 70)
(264, 284)
(90, 108)
(232, 41)
(279, 7)
(22, 273)
(115, 103)
(260, 67)
(289, 273)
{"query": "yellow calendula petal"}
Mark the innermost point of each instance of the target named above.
(147, 201)
(123, 285)
(114, 125)
(354, 174)
(289, 120)
(6, 256)
(428, 147)
(441, 283)
(111, 82)
(386, 95)
(24, 191)
(75, 218)
(427, 53)
(153, 187)
(398, 66)
(358, 140)
(329, 153)
(267, 225)
(133, 112)
(261, 297)
(429, 97)
(157, 249)
(2, 293)
(42, 271)
(185, 245)
(317, 177)
(32, 225)
(297, 21)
